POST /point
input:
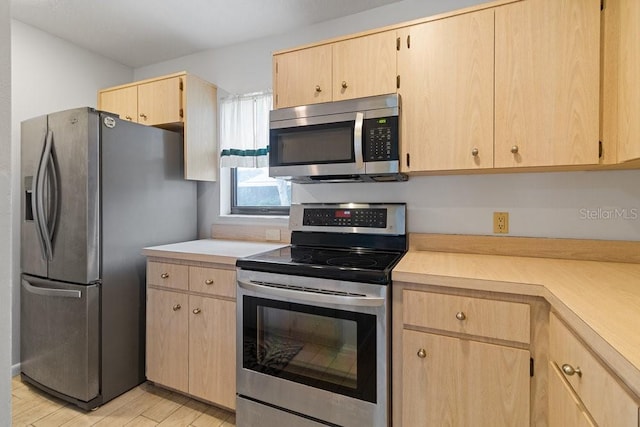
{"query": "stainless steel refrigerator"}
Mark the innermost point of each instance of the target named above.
(95, 191)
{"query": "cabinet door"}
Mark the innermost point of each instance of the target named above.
(460, 382)
(123, 102)
(547, 63)
(303, 76)
(621, 68)
(212, 350)
(364, 66)
(565, 409)
(446, 85)
(167, 339)
(160, 102)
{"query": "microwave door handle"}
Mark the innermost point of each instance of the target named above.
(313, 297)
(357, 141)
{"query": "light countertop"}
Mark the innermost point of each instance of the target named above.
(211, 250)
(600, 300)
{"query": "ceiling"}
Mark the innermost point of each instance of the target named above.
(142, 32)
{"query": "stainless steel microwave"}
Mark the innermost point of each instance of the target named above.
(343, 141)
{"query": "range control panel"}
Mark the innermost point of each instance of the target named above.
(358, 217)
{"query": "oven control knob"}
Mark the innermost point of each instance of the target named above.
(422, 353)
(196, 311)
(460, 315)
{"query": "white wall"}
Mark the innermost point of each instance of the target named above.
(597, 205)
(6, 231)
(48, 74)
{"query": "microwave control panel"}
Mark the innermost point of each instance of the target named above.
(380, 139)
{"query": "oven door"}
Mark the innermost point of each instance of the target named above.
(317, 147)
(316, 347)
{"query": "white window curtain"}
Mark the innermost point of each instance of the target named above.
(244, 130)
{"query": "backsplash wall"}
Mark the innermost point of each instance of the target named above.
(584, 205)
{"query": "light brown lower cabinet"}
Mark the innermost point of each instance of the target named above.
(460, 360)
(191, 330)
(586, 383)
(455, 382)
(565, 409)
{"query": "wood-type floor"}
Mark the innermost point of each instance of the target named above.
(145, 405)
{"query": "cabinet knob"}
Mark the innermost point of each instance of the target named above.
(344, 85)
(474, 152)
(514, 149)
(318, 88)
(128, 117)
(460, 315)
(177, 307)
(144, 116)
(422, 353)
(196, 311)
(165, 275)
(208, 282)
(570, 370)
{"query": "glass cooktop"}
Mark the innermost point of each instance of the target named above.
(358, 265)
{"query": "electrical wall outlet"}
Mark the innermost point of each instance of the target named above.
(501, 222)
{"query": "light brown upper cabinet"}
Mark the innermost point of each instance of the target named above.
(351, 68)
(123, 101)
(547, 62)
(364, 66)
(180, 102)
(302, 77)
(446, 87)
(620, 87)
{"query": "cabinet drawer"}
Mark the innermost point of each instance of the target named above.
(170, 275)
(604, 398)
(474, 316)
(213, 281)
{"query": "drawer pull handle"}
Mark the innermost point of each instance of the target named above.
(460, 315)
(208, 282)
(344, 85)
(514, 149)
(475, 152)
(165, 275)
(177, 307)
(196, 311)
(570, 370)
(422, 353)
(318, 88)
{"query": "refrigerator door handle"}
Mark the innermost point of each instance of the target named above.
(51, 292)
(52, 175)
(37, 199)
(40, 214)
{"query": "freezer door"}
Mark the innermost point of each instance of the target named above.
(76, 233)
(59, 339)
(33, 258)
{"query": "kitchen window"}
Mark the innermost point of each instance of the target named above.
(244, 138)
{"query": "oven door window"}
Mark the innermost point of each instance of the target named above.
(313, 144)
(334, 350)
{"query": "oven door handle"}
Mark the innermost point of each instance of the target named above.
(314, 298)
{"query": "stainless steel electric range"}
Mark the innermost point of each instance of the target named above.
(313, 336)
